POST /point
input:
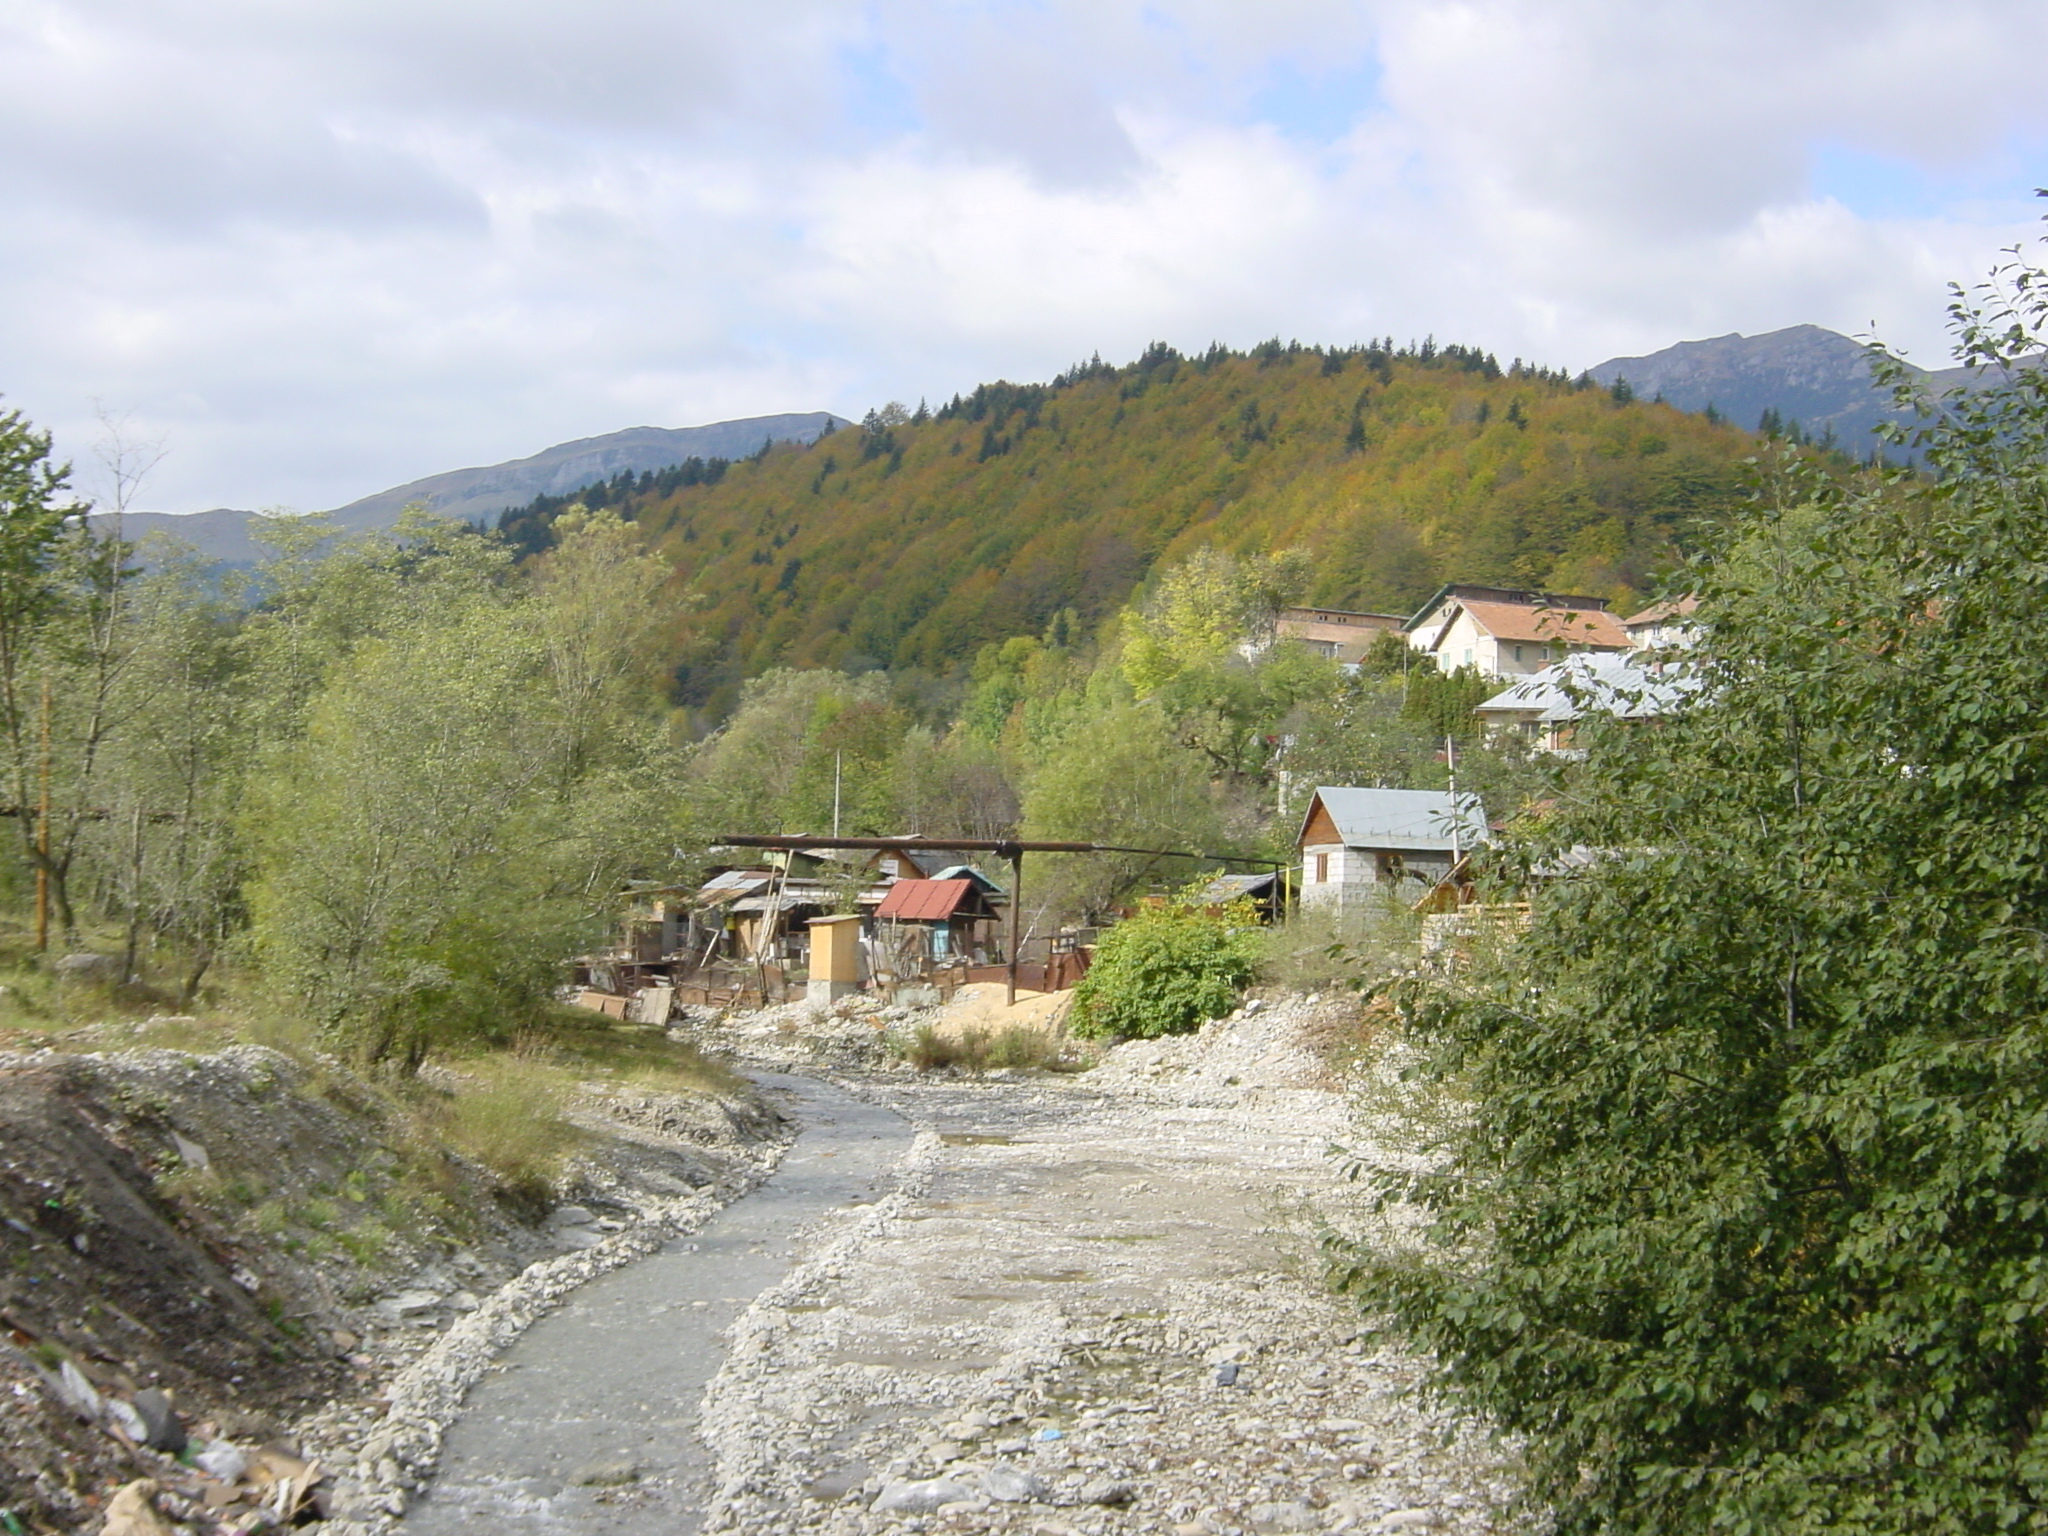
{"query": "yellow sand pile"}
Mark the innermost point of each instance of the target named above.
(981, 1006)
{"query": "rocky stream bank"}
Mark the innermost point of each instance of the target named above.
(239, 1290)
(1060, 1303)
(1093, 1304)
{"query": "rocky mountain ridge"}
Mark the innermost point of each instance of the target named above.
(1804, 373)
(480, 493)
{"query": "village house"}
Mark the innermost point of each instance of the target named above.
(950, 918)
(1356, 842)
(765, 915)
(1506, 632)
(1545, 709)
(1341, 635)
(1662, 624)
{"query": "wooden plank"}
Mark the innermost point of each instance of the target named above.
(653, 1005)
(1320, 828)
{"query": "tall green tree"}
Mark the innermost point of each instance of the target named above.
(773, 766)
(1119, 778)
(444, 830)
(168, 855)
(1739, 1213)
(61, 654)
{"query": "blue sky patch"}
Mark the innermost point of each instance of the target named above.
(1318, 107)
(1875, 186)
(877, 98)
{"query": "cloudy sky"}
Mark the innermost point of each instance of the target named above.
(320, 247)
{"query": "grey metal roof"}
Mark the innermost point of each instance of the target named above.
(1230, 887)
(788, 895)
(969, 872)
(1593, 684)
(734, 882)
(1405, 820)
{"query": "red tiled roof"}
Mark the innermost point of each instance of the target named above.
(1516, 621)
(924, 901)
(1658, 613)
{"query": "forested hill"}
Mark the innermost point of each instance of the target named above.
(917, 538)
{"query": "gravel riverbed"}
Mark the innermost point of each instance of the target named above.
(1093, 1305)
(1080, 1305)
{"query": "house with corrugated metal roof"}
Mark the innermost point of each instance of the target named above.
(1546, 709)
(956, 917)
(1355, 843)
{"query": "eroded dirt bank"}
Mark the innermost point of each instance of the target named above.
(255, 1253)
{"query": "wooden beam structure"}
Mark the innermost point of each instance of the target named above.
(1012, 849)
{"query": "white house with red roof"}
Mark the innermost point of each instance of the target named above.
(1506, 632)
(1663, 624)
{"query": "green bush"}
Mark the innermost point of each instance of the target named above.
(1744, 1225)
(1164, 971)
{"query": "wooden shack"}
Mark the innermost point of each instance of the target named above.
(957, 917)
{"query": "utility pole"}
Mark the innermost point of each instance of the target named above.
(836, 763)
(1457, 813)
(1016, 856)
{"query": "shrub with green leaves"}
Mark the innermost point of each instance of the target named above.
(1745, 1224)
(1164, 971)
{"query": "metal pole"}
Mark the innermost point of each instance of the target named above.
(1016, 914)
(1457, 819)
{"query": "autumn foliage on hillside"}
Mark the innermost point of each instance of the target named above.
(918, 538)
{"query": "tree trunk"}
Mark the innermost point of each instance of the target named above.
(190, 990)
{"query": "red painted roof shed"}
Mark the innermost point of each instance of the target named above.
(925, 901)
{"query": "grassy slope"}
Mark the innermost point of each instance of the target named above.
(928, 549)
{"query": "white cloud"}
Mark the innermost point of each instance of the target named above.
(332, 245)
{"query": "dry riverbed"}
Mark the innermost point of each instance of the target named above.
(1091, 1305)
(1081, 1303)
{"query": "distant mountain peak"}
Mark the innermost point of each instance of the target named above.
(482, 493)
(479, 494)
(1805, 373)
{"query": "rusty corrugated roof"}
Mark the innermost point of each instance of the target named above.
(924, 901)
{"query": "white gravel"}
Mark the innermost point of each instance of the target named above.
(1050, 1301)
(1091, 1306)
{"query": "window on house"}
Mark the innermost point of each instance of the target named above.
(1322, 869)
(1518, 653)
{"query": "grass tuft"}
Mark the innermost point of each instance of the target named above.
(977, 1050)
(507, 1116)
